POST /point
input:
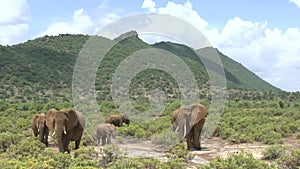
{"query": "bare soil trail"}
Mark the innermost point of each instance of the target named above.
(212, 148)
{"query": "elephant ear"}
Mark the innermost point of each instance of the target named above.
(50, 118)
(72, 119)
(198, 112)
(112, 127)
(35, 120)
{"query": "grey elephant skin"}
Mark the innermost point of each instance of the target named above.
(188, 121)
(39, 128)
(68, 125)
(117, 119)
(105, 132)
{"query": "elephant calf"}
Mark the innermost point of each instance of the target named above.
(105, 132)
(117, 119)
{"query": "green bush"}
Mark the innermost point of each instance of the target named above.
(236, 161)
(273, 152)
(180, 152)
(284, 157)
(272, 138)
(151, 163)
(28, 147)
(290, 159)
(110, 153)
(167, 140)
(8, 139)
(134, 130)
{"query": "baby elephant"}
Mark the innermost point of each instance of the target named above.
(105, 132)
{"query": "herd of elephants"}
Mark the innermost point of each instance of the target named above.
(68, 125)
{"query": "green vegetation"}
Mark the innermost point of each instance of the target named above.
(37, 75)
(237, 161)
(20, 148)
(41, 69)
(246, 121)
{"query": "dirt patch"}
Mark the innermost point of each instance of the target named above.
(211, 148)
(214, 147)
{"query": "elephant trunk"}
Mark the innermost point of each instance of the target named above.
(41, 133)
(182, 129)
(60, 141)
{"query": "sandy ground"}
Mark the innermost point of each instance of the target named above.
(212, 148)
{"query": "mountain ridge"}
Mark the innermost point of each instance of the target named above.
(41, 69)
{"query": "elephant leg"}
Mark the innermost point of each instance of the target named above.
(103, 140)
(66, 145)
(109, 139)
(46, 137)
(197, 131)
(77, 143)
(189, 140)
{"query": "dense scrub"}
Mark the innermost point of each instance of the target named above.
(242, 121)
(42, 69)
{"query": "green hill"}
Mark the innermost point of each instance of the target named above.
(41, 69)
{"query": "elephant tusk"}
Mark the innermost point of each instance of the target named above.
(53, 133)
(65, 131)
(38, 130)
(176, 129)
(184, 131)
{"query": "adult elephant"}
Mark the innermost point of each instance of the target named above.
(105, 132)
(39, 128)
(117, 119)
(188, 121)
(68, 124)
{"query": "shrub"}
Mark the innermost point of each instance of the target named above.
(272, 138)
(134, 130)
(110, 153)
(167, 139)
(236, 161)
(238, 138)
(289, 159)
(180, 152)
(273, 152)
(284, 157)
(26, 147)
(126, 163)
(8, 139)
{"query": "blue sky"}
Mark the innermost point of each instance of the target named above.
(263, 35)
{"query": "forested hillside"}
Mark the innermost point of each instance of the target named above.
(41, 69)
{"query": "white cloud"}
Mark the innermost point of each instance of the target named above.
(150, 5)
(271, 53)
(80, 24)
(109, 18)
(14, 12)
(185, 12)
(296, 2)
(14, 18)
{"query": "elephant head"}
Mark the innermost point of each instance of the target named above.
(186, 117)
(111, 130)
(125, 119)
(67, 124)
(39, 127)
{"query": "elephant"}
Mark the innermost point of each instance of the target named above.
(68, 124)
(188, 121)
(105, 132)
(39, 128)
(117, 119)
